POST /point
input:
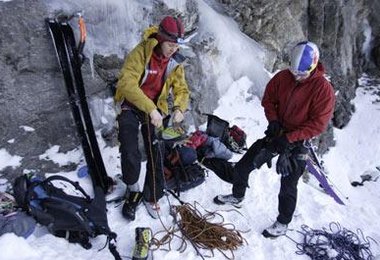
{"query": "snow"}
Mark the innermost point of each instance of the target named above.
(240, 55)
(367, 46)
(11, 141)
(356, 151)
(61, 159)
(27, 128)
(8, 160)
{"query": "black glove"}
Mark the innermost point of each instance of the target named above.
(274, 129)
(286, 164)
(292, 161)
(278, 144)
(263, 156)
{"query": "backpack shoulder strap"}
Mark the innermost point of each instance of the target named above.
(182, 169)
(74, 183)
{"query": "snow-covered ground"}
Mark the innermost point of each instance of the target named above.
(356, 151)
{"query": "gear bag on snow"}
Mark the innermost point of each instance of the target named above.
(233, 137)
(181, 170)
(18, 223)
(12, 220)
(76, 218)
(237, 139)
(217, 127)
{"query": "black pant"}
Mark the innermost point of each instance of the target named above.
(287, 198)
(244, 167)
(129, 122)
(222, 168)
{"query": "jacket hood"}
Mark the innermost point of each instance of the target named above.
(319, 71)
(150, 32)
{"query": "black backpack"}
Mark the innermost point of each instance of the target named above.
(217, 127)
(76, 218)
(181, 176)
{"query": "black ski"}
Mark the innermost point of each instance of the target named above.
(69, 60)
(76, 65)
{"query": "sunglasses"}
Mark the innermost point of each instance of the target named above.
(300, 74)
(172, 37)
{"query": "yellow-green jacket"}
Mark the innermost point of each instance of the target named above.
(133, 75)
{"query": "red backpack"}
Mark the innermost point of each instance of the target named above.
(197, 139)
(237, 139)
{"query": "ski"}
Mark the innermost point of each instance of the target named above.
(314, 167)
(69, 61)
(75, 61)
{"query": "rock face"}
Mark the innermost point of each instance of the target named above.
(374, 22)
(31, 81)
(32, 92)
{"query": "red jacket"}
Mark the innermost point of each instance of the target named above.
(303, 108)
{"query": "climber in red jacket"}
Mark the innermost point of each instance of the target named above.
(298, 104)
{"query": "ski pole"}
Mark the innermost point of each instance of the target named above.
(314, 156)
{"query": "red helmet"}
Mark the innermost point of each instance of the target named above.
(170, 29)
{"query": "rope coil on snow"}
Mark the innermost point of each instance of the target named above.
(336, 242)
(201, 233)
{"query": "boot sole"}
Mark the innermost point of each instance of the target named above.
(154, 215)
(218, 202)
(266, 234)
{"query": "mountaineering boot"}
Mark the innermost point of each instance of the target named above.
(275, 230)
(130, 205)
(173, 133)
(152, 208)
(141, 249)
(228, 200)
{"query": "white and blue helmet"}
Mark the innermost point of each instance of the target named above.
(304, 59)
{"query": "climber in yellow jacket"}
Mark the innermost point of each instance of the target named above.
(152, 71)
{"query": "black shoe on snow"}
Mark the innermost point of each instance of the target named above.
(130, 205)
(141, 249)
(228, 200)
(275, 230)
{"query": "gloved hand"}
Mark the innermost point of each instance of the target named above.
(274, 129)
(286, 164)
(278, 144)
(177, 116)
(156, 118)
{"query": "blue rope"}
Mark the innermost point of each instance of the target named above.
(336, 242)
